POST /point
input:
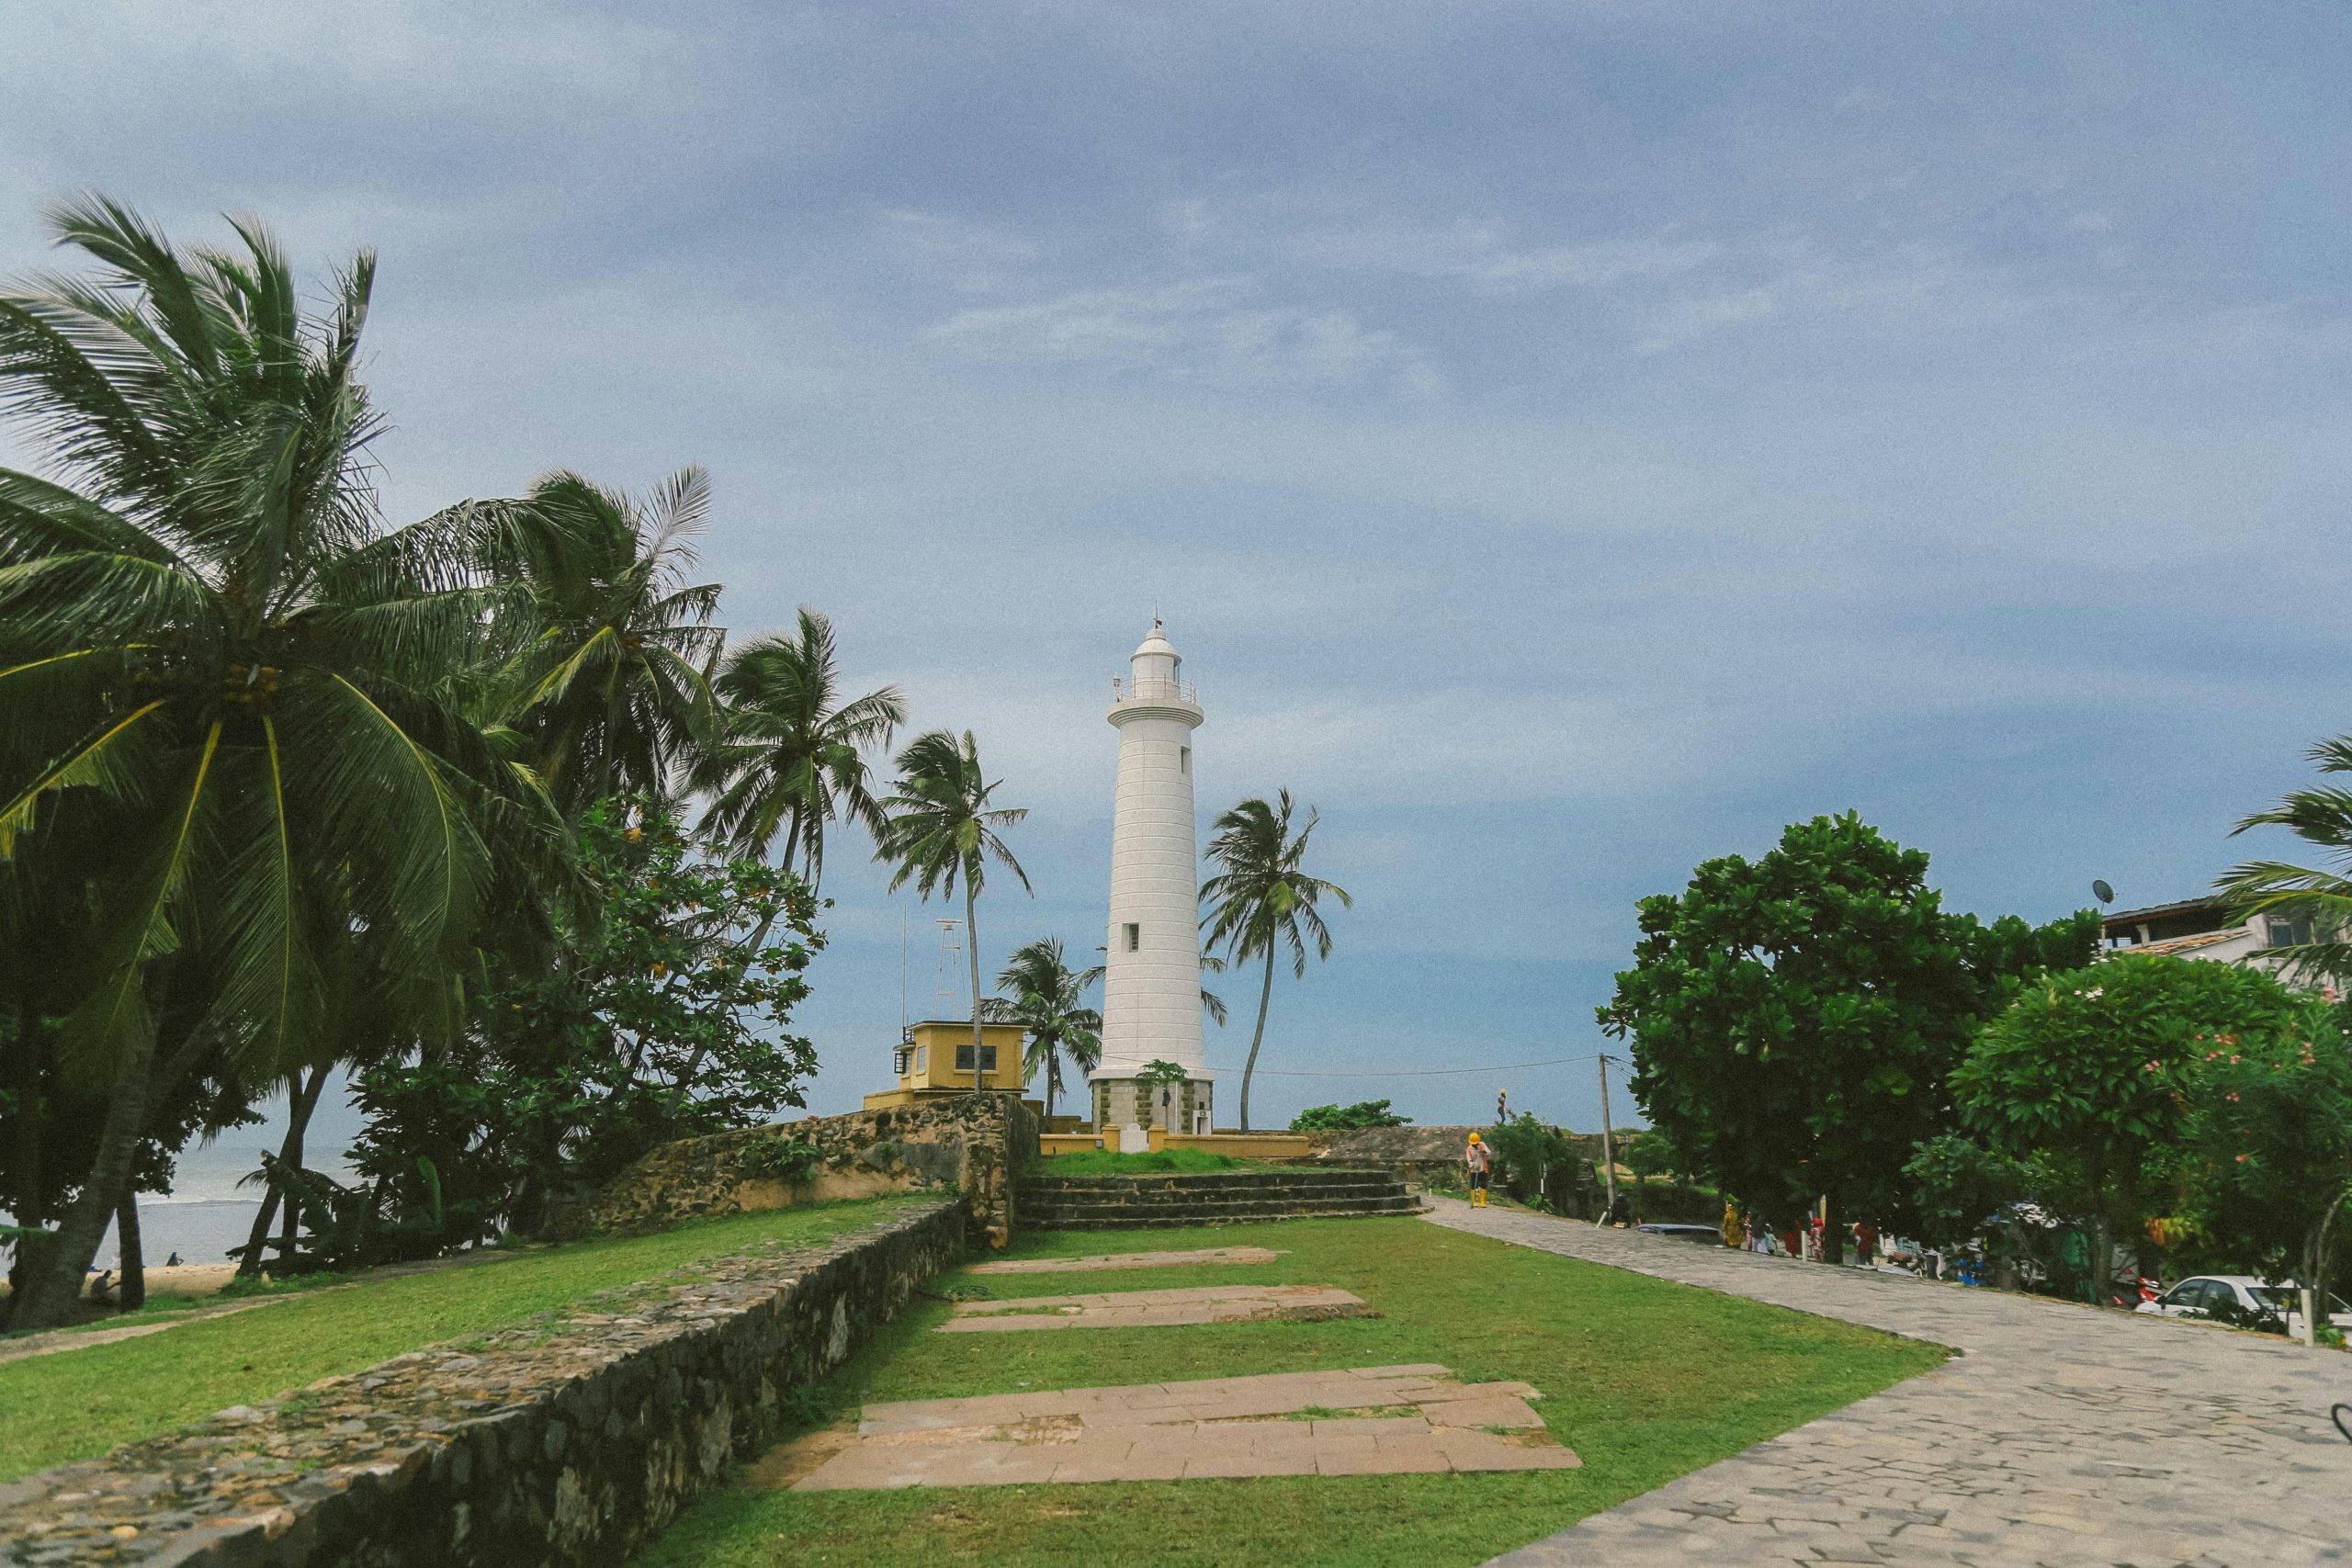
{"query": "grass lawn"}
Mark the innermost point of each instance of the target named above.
(1644, 1378)
(81, 1403)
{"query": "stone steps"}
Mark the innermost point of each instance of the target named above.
(1195, 1198)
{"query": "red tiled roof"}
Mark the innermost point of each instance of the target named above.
(2180, 943)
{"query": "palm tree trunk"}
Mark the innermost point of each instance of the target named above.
(52, 1288)
(298, 1123)
(972, 943)
(1265, 996)
(133, 1293)
(301, 1097)
(32, 1185)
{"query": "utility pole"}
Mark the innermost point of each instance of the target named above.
(1608, 1143)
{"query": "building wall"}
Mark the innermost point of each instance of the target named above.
(1120, 1102)
(1151, 997)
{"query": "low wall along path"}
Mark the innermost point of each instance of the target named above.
(568, 1442)
(574, 1439)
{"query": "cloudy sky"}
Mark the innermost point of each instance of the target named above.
(1567, 441)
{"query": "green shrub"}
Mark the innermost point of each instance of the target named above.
(1346, 1117)
(1528, 1156)
(782, 1159)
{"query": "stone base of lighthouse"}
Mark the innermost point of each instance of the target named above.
(1122, 1103)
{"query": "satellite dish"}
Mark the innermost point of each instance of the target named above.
(2102, 892)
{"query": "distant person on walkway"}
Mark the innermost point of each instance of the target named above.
(1480, 1162)
(1621, 1212)
(1735, 1231)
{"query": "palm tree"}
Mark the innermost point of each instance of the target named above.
(613, 688)
(1262, 899)
(1048, 1001)
(790, 761)
(210, 643)
(938, 826)
(2318, 900)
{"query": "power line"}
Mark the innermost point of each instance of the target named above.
(1418, 1072)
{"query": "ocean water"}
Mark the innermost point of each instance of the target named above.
(200, 1230)
(207, 1210)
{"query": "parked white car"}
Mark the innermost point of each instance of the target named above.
(2221, 1295)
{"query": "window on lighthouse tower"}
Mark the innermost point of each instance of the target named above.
(1135, 936)
(1183, 758)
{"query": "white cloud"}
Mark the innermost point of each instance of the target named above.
(961, 253)
(1203, 331)
(1491, 254)
(1689, 318)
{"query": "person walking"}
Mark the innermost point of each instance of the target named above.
(1480, 1162)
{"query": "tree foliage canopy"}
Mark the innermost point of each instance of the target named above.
(2089, 1072)
(2270, 1131)
(1795, 1019)
(660, 1014)
(1346, 1117)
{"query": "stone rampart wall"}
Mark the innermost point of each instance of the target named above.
(973, 1142)
(567, 1441)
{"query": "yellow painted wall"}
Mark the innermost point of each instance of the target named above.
(931, 1054)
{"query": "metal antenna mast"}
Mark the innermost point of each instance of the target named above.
(1608, 1141)
(948, 988)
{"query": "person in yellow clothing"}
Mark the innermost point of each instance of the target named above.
(1480, 1162)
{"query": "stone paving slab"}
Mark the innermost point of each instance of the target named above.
(1127, 1260)
(2061, 1436)
(1158, 1309)
(1350, 1421)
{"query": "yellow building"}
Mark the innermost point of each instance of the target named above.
(935, 1057)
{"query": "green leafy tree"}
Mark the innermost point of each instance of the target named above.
(1050, 1003)
(1957, 1185)
(1795, 1019)
(612, 686)
(1167, 1076)
(1347, 1118)
(939, 826)
(1530, 1157)
(2087, 1074)
(792, 759)
(1261, 900)
(259, 694)
(2271, 1128)
(660, 1013)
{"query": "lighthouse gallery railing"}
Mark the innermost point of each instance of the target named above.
(1150, 688)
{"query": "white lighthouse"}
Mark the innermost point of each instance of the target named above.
(1151, 985)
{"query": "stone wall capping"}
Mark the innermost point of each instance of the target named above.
(970, 1144)
(569, 1443)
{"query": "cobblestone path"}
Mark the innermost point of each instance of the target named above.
(2061, 1436)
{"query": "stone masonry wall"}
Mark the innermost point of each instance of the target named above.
(567, 1441)
(972, 1141)
(1431, 1156)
